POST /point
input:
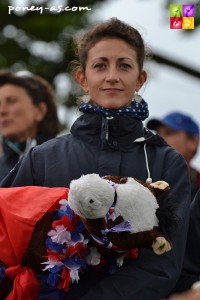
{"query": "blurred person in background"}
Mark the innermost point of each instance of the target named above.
(182, 133)
(28, 115)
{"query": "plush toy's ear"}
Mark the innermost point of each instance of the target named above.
(161, 185)
(158, 187)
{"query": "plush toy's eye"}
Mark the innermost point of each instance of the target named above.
(123, 180)
(91, 201)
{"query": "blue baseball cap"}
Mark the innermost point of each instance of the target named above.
(177, 121)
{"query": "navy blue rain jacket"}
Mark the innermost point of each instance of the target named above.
(191, 266)
(115, 147)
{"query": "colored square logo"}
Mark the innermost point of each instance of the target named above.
(182, 16)
(175, 10)
(188, 23)
(176, 23)
(188, 10)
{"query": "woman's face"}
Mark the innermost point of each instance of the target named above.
(19, 117)
(112, 75)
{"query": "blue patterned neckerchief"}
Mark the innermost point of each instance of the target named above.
(135, 110)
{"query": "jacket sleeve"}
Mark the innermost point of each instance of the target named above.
(151, 277)
(21, 174)
(192, 257)
(191, 266)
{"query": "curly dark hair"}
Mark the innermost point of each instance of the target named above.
(113, 28)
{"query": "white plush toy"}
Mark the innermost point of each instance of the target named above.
(120, 211)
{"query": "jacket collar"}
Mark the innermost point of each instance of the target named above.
(13, 150)
(118, 133)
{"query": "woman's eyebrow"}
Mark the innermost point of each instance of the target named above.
(119, 59)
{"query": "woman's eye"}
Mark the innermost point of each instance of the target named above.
(125, 66)
(99, 66)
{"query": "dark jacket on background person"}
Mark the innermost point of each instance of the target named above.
(195, 181)
(191, 266)
(117, 146)
(13, 151)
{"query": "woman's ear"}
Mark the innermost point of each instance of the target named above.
(81, 79)
(141, 80)
(41, 111)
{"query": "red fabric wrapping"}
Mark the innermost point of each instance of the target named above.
(20, 209)
(26, 285)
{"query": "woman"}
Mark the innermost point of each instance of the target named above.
(109, 138)
(28, 115)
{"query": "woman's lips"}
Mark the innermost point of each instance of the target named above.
(112, 90)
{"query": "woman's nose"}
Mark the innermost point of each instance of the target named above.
(112, 75)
